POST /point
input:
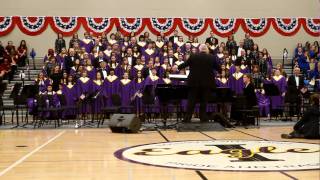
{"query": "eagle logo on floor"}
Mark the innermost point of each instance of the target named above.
(226, 155)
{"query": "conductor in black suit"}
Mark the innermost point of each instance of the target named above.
(200, 81)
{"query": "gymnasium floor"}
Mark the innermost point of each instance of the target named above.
(88, 154)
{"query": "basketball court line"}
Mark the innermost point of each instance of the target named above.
(19, 161)
(282, 172)
(199, 173)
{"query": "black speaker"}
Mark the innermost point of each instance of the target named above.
(124, 123)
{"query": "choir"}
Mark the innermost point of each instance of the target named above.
(102, 67)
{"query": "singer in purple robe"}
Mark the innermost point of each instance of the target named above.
(50, 100)
(87, 42)
(236, 82)
(138, 89)
(152, 81)
(96, 91)
(83, 90)
(277, 102)
(111, 86)
(223, 80)
(263, 103)
(69, 91)
(126, 91)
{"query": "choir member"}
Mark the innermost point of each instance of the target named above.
(49, 100)
(131, 59)
(111, 86)
(97, 93)
(236, 81)
(179, 61)
(90, 69)
(125, 67)
(212, 41)
(87, 42)
(69, 91)
(126, 92)
(138, 90)
(277, 102)
(222, 80)
(149, 52)
(172, 59)
(83, 91)
(141, 43)
(42, 82)
(263, 103)
(173, 39)
(165, 79)
(69, 59)
(159, 42)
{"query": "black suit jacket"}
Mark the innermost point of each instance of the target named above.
(201, 66)
(211, 41)
(171, 38)
(250, 95)
(100, 70)
(293, 92)
(69, 63)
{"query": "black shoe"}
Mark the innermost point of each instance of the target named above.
(286, 136)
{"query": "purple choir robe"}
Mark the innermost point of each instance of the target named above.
(153, 83)
(149, 55)
(51, 101)
(232, 69)
(219, 83)
(88, 46)
(71, 97)
(269, 65)
(277, 102)
(236, 84)
(263, 103)
(126, 91)
(96, 90)
(84, 88)
(110, 88)
(92, 73)
(138, 88)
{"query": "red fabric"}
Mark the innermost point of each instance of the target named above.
(29, 26)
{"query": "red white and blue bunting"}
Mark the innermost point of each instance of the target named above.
(32, 25)
(225, 27)
(98, 25)
(162, 25)
(287, 26)
(193, 26)
(6, 25)
(256, 27)
(189, 26)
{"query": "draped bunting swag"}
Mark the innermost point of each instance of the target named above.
(189, 26)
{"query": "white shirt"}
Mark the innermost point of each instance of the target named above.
(297, 80)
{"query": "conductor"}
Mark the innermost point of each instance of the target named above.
(200, 81)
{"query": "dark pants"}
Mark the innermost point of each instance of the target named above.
(201, 94)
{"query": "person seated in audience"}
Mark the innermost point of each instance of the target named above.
(308, 126)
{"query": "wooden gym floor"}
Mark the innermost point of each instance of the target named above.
(87, 154)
